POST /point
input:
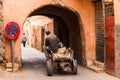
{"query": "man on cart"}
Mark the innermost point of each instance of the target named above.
(59, 55)
(51, 42)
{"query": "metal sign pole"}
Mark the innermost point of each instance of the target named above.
(12, 55)
(12, 32)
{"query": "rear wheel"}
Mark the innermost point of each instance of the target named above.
(74, 68)
(49, 67)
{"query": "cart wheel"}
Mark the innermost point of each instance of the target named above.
(74, 68)
(49, 67)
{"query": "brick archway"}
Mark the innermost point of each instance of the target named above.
(68, 27)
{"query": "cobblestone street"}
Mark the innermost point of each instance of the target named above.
(34, 68)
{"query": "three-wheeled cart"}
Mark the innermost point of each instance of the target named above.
(61, 60)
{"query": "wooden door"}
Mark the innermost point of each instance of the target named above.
(110, 46)
(110, 39)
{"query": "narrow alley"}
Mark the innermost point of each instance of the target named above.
(34, 68)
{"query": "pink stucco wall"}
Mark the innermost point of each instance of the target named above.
(18, 10)
(117, 36)
(117, 11)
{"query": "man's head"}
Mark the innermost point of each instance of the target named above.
(47, 32)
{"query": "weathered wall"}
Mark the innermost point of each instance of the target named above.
(19, 10)
(2, 40)
(34, 29)
(117, 36)
(36, 38)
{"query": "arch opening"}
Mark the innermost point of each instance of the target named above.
(66, 26)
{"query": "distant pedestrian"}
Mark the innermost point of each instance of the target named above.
(24, 39)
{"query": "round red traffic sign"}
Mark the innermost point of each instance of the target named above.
(12, 30)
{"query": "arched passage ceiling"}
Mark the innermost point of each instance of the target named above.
(56, 11)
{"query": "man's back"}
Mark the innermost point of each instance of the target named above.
(52, 42)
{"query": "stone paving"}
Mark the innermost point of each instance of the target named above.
(34, 68)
